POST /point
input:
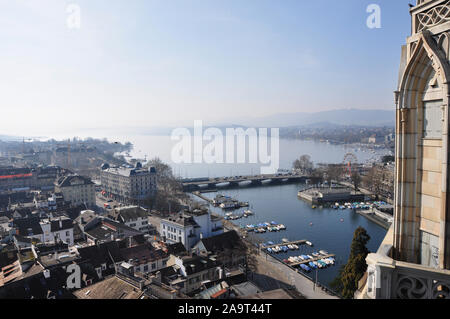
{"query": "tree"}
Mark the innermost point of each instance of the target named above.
(374, 180)
(356, 179)
(333, 172)
(304, 163)
(170, 196)
(388, 159)
(346, 283)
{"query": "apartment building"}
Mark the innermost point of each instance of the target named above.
(128, 185)
(189, 226)
(77, 190)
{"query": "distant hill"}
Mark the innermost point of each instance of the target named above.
(338, 117)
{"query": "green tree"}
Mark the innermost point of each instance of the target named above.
(346, 283)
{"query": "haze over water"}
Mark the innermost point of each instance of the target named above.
(290, 150)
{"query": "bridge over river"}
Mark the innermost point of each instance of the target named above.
(199, 184)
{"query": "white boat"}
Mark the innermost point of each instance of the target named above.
(291, 247)
(295, 246)
(323, 252)
(308, 243)
(285, 240)
(281, 227)
(310, 257)
(331, 261)
(248, 212)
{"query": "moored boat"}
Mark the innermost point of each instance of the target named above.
(311, 264)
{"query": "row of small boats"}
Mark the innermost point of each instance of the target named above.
(361, 205)
(307, 262)
(231, 216)
(282, 248)
(264, 227)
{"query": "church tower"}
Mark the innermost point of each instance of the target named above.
(422, 196)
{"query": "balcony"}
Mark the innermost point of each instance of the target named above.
(387, 278)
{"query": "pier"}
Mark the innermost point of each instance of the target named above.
(206, 199)
(322, 195)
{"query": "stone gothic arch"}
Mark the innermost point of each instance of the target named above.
(422, 129)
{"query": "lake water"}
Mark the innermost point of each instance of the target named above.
(290, 150)
(327, 231)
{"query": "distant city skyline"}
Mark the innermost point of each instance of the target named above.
(168, 63)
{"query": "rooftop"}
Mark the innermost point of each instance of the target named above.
(130, 213)
(110, 288)
(127, 172)
(73, 180)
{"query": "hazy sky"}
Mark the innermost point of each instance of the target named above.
(162, 62)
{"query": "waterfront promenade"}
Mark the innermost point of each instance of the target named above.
(273, 268)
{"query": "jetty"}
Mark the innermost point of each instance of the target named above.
(321, 195)
(206, 199)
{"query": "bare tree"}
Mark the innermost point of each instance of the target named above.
(356, 180)
(333, 172)
(374, 180)
(304, 164)
(170, 196)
